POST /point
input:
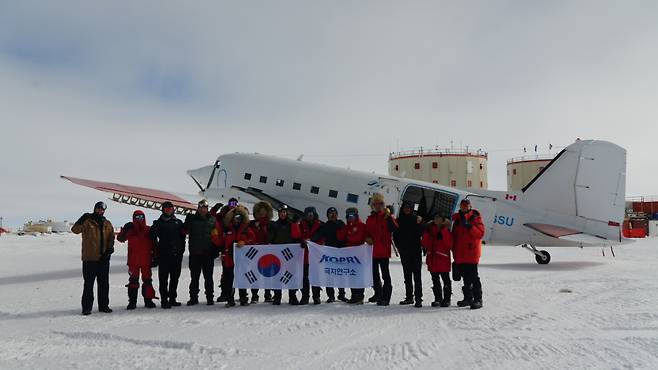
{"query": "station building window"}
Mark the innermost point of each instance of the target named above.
(263, 179)
(333, 194)
(247, 176)
(296, 186)
(279, 182)
(315, 190)
(352, 198)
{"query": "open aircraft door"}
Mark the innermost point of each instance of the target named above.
(487, 208)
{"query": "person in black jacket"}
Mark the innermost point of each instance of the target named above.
(329, 232)
(407, 240)
(283, 235)
(169, 236)
(199, 227)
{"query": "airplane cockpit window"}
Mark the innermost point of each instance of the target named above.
(315, 190)
(333, 194)
(429, 202)
(279, 182)
(247, 176)
(263, 179)
(296, 186)
(352, 198)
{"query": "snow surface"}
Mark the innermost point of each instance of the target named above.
(529, 319)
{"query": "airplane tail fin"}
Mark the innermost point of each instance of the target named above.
(587, 179)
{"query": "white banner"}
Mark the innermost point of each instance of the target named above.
(349, 267)
(279, 266)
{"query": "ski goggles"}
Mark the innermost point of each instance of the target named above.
(138, 217)
(233, 203)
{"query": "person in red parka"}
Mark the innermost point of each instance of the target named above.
(140, 258)
(353, 234)
(437, 243)
(380, 227)
(467, 234)
(264, 232)
(308, 229)
(220, 210)
(236, 232)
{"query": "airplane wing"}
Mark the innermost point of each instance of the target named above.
(276, 204)
(564, 233)
(138, 196)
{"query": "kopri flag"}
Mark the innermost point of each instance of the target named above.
(349, 267)
(279, 266)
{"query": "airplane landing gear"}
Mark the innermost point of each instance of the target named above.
(542, 257)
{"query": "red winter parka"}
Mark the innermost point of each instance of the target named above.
(467, 234)
(140, 244)
(437, 241)
(308, 231)
(233, 233)
(380, 227)
(353, 234)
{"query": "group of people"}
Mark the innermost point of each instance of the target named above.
(449, 244)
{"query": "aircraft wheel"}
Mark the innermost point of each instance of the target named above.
(544, 259)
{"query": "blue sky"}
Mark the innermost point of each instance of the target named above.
(139, 92)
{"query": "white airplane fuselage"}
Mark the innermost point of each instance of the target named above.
(299, 184)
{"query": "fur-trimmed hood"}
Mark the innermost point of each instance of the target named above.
(228, 217)
(267, 206)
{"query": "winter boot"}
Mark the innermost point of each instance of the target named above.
(254, 298)
(230, 302)
(419, 303)
(437, 297)
(193, 301)
(477, 299)
(174, 303)
(386, 296)
(148, 303)
(105, 310)
(132, 298)
(407, 301)
(468, 298)
(447, 293)
(342, 298)
(317, 300)
(268, 296)
(303, 301)
(210, 300)
(355, 300)
(165, 304)
(244, 302)
(292, 300)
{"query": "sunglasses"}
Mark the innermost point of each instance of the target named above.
(139, 217)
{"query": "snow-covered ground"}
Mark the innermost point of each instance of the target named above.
(609, 320)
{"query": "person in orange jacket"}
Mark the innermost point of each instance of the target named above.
(353, 234)
(467, 233)
(380, 227)
(236, 232)
(437, 244)
(140, 259)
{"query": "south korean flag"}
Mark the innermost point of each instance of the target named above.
(279, 266)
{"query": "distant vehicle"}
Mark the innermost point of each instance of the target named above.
(577, 200)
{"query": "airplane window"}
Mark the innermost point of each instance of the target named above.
(352, 198)
(279, 182)
(315, 189)
(296, 186)
(247, 176)
(263, 179)
(430, 201)
(333, 194)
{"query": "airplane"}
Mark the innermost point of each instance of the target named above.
(577, 200)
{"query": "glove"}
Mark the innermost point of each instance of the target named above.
(369, 241)
(216, 208)
(128, 226)
(241, 244)
(83, 218)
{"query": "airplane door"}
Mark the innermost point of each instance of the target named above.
(487, 208)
